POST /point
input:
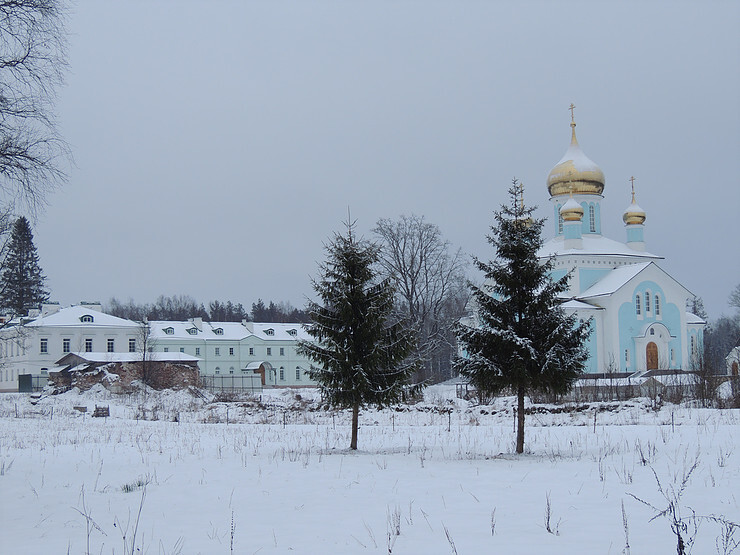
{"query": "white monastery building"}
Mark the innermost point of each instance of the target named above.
(32, 345)
(638, 310)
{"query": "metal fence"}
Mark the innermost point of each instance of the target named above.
(250, 383)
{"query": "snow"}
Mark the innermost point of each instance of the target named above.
(593, 245)
(273, 475)
(71, 316)
(614, 280)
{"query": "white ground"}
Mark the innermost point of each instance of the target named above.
(280, 479)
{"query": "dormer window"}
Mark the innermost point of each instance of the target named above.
(269, 331)
(293, 332)
(169, 331)
(86, 319)
(218, 331)
(192, 331)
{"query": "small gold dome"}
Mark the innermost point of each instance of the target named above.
(571, 211)
(575, 172)
(633, 213)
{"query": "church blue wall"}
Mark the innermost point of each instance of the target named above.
(588, 276)
(556, 275)
(586, 223)
(630, 326)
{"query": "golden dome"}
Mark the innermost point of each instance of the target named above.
(575, 172)
(571, 211)
(633, 214)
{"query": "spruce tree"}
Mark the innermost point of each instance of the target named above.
(22, 278)
(522, 339)
(361, 355)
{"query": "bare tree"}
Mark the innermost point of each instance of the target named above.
(430, 283)
(32, 67)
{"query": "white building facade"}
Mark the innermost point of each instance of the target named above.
(32, 345)
(238, 348)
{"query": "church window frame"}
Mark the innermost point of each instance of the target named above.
(647, 302)
(592, 218)
(638, 305)
(560, 222)
(657, 304)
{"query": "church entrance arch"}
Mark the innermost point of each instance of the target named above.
(651, 356)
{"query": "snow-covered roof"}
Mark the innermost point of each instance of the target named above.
(233, 331)
(614, 280)
(130, 357)
(82, 315)
(693, 319)
(592, 245)
(575, 304)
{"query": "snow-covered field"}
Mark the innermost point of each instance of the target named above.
(167, 473)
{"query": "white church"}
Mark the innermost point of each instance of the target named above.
(638, 310)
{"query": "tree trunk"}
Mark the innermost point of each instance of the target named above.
(520, 421)
(355, 420)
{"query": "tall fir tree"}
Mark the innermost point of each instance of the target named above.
(361, 355)
(22, 278)
(522, 339)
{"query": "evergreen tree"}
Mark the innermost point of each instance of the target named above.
(22, 279)
(361, 356)
(523, 339)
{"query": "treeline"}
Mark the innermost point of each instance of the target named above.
(183, 307)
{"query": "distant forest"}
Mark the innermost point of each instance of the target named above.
(183, 307)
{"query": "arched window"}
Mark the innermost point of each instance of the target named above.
(647, 301)
(560, 221)
(592, 218)
(657, 305)
(638, 308)
(297, 372)
(282, 373)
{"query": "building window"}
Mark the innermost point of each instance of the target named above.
(88, 345)
(111, 343)
(647, 301)
(251, 351)
(657, 305)
(638, 308)
(231, 370)
(44, 371)
(197, 351)
(297, 373)
(182, 349)
(269, 351)
(693, 345)
(231, 351)
(627, 356)
(132, 345)
(282, 351)
(86, 319)
(66, 345)
(269, 331)
(282, 374)
(218, 331)
(218, 370)
(169, 331)
(293, 332)
(44, 346)
(652, 331)
(166, 349)
(218, 351)
(193, 331)
(673, 356)
(592, 218)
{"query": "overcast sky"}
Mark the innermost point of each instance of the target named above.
(219, 144)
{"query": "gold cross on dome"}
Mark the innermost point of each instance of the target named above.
(632, 180)
(572, 114)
